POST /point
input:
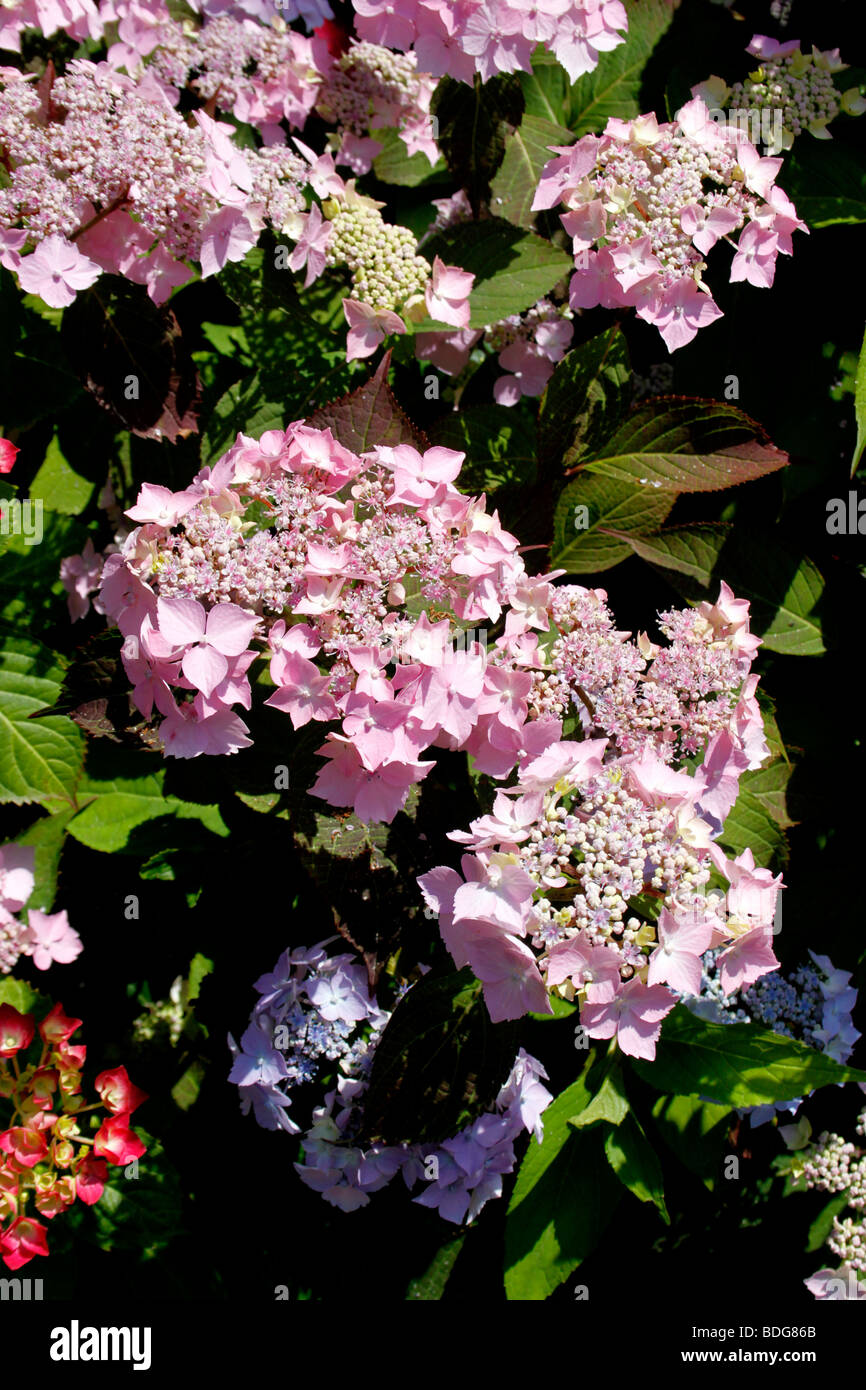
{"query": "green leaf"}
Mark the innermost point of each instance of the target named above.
(860, 408)
(431, 1284)
(784, 589)
(737, 1064)
(686, 446)
(396, 165)
(759, 817)
(633, 1159)
(23, 997)
(822, 1226)
(242, 408)
(30, 590)
(118, 806)
(692, 1129)
(584, 401)
(544, 89)
(440, 1061)
(560, 1008)
(826, 182)
(769, 786)
(621, 508)
(513, 269)
(691, 550)
(609, 1102)
(229, 339)
(107, 822)
(30, 357)
(526, 153)
(59, 486)
(141, 1215)
(95, 691)
(474, 123)
(185, 1092)
(368, 416)
(40, 759)
(498, 443)
(750, 825)
(200, 967)
(563, 1199)
(296, 339)
(613, 88)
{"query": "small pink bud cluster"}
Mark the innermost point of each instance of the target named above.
(588, 877)
(46, 937)
(654, 200)
(43, 1152)
(493, 36)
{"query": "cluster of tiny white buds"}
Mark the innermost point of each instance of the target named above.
(828, 1163)
(803, 91)
(386, 270)
(848, 1242)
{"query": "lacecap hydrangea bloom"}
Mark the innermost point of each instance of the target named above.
(264, 74)
(296, 549)
(589, 876)
(461, 1174)
(315, 1013)
(106, 176)
(273, 77)
(647, 201)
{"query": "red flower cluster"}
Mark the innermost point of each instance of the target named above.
(43, 1152)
